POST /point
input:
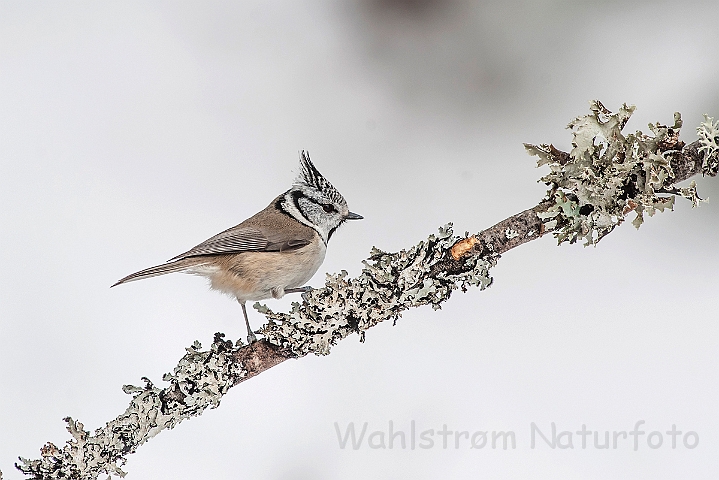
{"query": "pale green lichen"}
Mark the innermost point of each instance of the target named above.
(708, 132)
(389, 284)
(199, 381)
(608, 175)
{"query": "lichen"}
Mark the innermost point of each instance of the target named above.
(389, 284)
(708, 132)
(199, 381)
(608, 175)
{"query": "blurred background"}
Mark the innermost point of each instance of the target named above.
(131, 131)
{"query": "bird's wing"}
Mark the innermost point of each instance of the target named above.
(243, 239)
(234, 240)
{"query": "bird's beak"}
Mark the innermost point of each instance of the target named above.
(353, 216)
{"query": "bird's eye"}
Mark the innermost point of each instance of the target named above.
(328, 208)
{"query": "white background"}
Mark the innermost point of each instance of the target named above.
(131, 131)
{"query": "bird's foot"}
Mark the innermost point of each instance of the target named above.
(251, 338)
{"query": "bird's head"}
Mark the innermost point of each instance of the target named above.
(313, 200)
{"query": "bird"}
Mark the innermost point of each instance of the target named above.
(274, 252)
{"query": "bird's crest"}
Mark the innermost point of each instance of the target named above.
(311, 177)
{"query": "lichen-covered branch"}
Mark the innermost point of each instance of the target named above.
(606, 176)
(609, 174)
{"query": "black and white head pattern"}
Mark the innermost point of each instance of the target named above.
(313, 200)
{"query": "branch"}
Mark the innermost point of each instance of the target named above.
(592, 189)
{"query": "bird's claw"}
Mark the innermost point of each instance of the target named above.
(305, 294)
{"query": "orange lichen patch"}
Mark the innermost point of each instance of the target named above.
(463, 246)
(631, 205)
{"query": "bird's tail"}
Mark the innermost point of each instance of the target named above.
(184, 265)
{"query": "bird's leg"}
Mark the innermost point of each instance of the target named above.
(251, 338)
